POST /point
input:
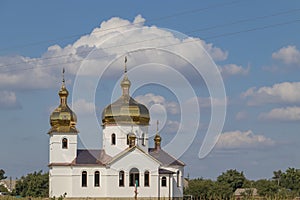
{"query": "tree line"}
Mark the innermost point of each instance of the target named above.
(283, 185)
(34, 184)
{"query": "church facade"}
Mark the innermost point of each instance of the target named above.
(125, 168)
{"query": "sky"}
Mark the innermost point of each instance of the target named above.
(222, 78)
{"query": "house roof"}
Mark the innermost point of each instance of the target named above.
(165, 158)
(165, 171)
(8, 184)
(99, 157)
(241, 191)
(92, 157)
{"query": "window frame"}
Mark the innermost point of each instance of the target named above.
(113, 139)
(64, 143)
(178, 178)
(84, 177)
(134, 176)
(121, 178)
(143, 139)
(164, 181)
(146, 178)
(97, 179)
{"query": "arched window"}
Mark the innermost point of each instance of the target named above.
(121, 179)
(178, 178)
(84, 179)
(134, 177)
(113, 139)
(143, 139)
(64, 143)
(164, 181)
(146, 179)
(97, 179)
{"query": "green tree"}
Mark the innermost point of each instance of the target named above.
(33, 185)
(2, 174)
(266, 188)
(199, 188)
(277, 176)
(3, 189)
(232, 178)
(291, 180)
(2, 177)
(220, 191)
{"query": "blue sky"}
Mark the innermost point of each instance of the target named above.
(255, 46)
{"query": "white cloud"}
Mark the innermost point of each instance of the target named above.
(8, 100)
(282, 114)
(239, 139)
(286, 92)
(241, 115)
(151, 99)
(172, 126)
(233, 69)
(111, 39)
(80, 107)
(288, 55)
(83, 107)
(216, 53)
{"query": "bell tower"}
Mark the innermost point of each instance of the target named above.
(63, 132)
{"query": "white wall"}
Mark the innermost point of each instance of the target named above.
(90, 190)
(121, 138)
(67, 179)
(57, 153)
(60, 181)
(142, 162)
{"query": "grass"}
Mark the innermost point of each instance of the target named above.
(19, 198)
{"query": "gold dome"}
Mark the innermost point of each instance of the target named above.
(157, 138)
(63, 119)
(126, 110)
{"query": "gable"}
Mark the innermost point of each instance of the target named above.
(133, 156)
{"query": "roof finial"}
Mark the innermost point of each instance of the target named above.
(125, 64)
(157, 138)
(63, 75)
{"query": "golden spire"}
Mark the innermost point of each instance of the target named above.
(157, 138)
(63, 92)
(63, 76)
(125, 84)
(125, 70)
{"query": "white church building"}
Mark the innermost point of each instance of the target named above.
(125, 168)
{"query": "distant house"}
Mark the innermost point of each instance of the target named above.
(185, 183)
(242, 193)
(8, 184)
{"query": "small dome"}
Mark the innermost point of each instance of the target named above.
(63, 119)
